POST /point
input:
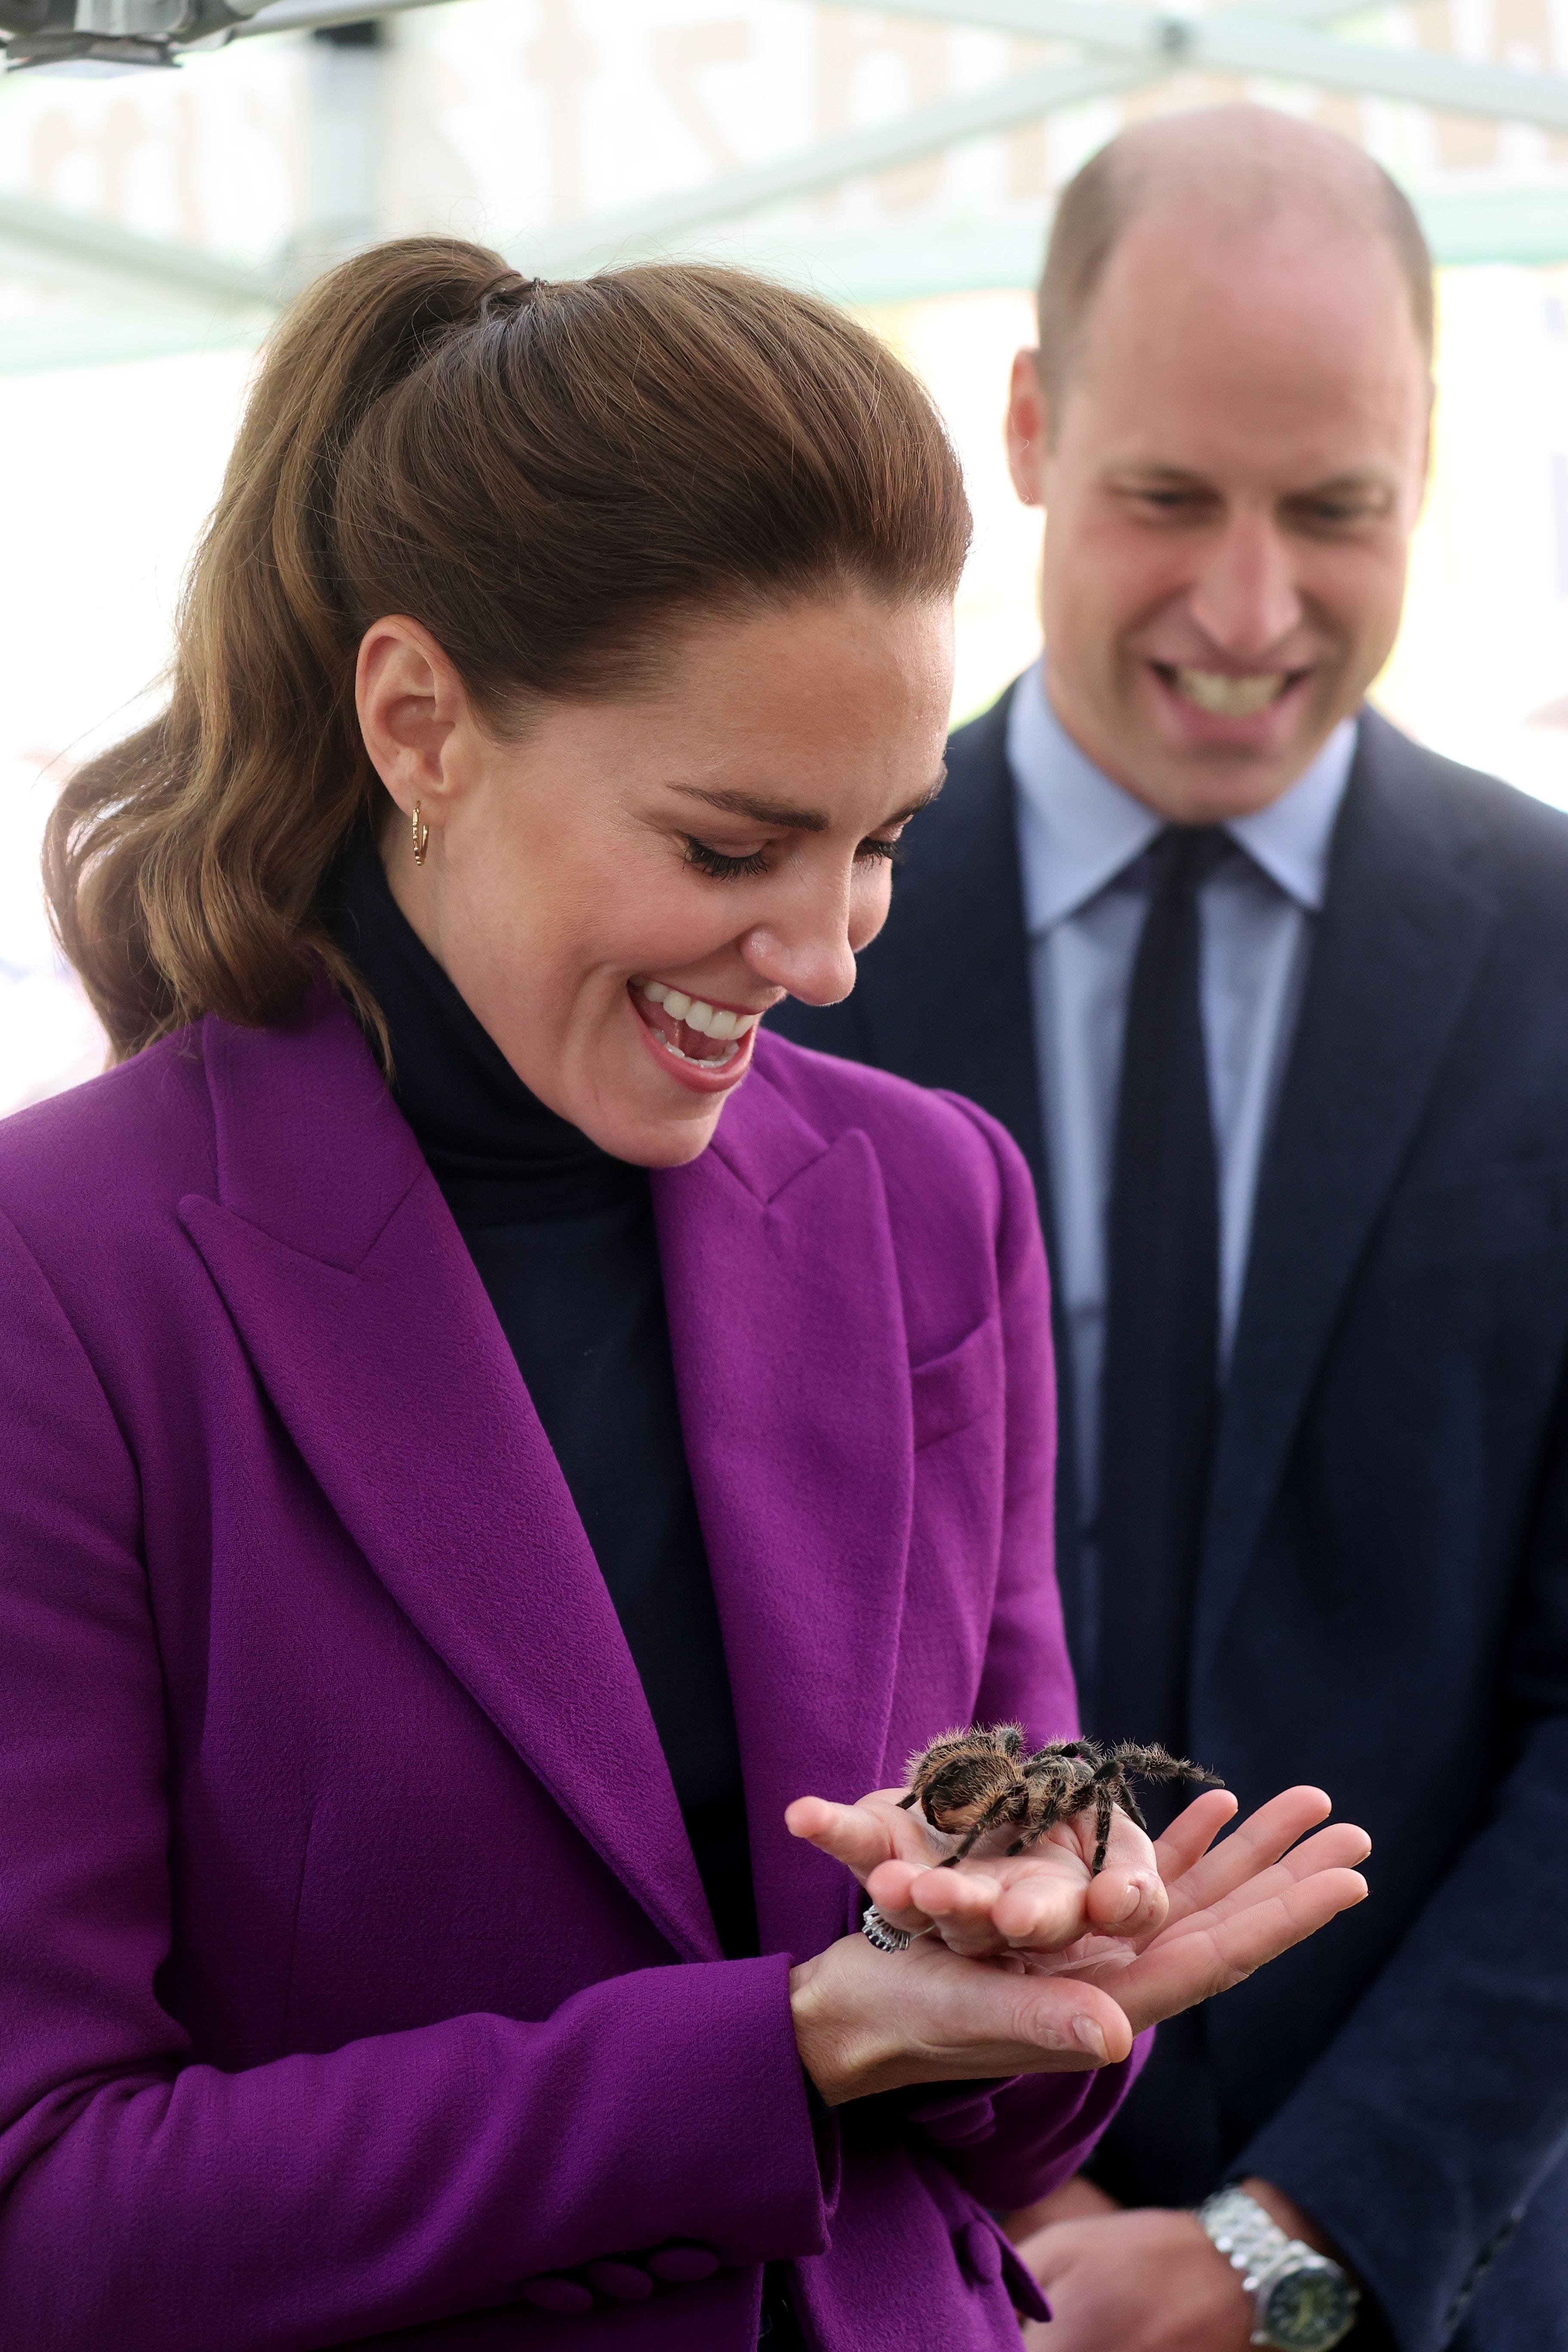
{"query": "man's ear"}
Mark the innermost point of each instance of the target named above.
(1028, 429)
(409, 700)
(1426, 445)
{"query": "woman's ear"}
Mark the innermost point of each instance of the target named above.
(410, 707)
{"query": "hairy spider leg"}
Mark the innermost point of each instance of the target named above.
(1095, 1793)
(1153, 1764)
(1103, 1808)
(1059, 1751)
(1063, 1800)
(1130, 1805)
(1148, 1764)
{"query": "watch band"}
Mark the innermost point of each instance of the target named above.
(1250, 2240)
(1256, 2246)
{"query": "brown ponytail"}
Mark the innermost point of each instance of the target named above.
(548, 478)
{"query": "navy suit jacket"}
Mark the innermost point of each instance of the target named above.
(1383, 1606)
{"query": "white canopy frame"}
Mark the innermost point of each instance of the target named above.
(1122, 47)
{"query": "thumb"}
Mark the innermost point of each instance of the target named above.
(1054, 2012)
(848, 1834)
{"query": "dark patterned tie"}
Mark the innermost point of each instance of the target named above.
(1160, 1392)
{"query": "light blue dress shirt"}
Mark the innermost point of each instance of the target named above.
(1086, 887)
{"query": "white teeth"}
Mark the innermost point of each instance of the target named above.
(708, 1020)
(703, 1061)
(1229, 698)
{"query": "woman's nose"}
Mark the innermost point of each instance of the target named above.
(814, 962)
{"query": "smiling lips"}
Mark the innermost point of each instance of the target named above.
(691, 1030)
(1220, 694)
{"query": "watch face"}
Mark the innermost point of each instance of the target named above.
(1308, 2310)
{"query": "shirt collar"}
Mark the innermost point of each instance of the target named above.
(1077, 830)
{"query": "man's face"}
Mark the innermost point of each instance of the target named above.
(1230, 488)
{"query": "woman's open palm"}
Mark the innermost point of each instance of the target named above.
(869, 2020)
(1232, 1905)
(1043, 1900)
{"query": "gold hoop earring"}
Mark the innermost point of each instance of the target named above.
(421, 836)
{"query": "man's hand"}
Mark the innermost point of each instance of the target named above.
(1117, 2288)
(1136, 2282)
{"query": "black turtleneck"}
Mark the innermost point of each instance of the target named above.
(563, 1237)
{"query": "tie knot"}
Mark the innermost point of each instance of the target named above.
(1185, 856)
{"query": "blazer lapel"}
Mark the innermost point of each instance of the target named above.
(1407, 920)
(792, 1369)
(949, 1003)
(372, 1334)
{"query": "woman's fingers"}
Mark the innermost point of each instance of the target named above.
(958, 1904)
(1210, 1954)
(1127, 1896)
(1192, 1831)
(855, 1835)
(1256, 1843)
(1039, 1912)
(1044, 1900)
(868, 2021)
(1031, 1902)
(1341, 1846)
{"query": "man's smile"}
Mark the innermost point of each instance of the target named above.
(1225, 697)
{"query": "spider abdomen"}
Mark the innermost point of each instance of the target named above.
(964, 1792)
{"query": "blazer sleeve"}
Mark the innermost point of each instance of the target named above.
(1010, 2144)
(1422, 2132)
(390, 2182)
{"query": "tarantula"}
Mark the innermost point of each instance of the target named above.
(971, 1781)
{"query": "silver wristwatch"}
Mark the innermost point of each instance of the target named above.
(1302, 2301)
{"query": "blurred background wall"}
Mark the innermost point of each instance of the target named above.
(152, 222)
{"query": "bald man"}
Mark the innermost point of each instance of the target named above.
(1277, 1004)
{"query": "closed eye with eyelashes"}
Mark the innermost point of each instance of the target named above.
(721, 868)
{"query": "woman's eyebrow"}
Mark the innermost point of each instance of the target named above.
(762, 811)
(776, 815)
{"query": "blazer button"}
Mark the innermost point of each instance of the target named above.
(979, 2252)
(622, 2282)
(562, 2294)
(683, 2265)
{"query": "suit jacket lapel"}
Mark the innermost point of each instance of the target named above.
(953, 1006)
(795, 1408)
(1407, 920)
(372, 1334)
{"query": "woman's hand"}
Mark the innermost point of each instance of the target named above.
(1042, 1900)
(869, 2020)
(1232, 1906)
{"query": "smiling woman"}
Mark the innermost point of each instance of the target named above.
(486, 1428)
(671, 859)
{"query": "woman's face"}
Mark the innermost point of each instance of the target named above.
(620, 896)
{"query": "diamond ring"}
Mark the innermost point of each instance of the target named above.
(884, 1937)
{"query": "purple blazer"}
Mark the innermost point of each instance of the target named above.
(355, 1974)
